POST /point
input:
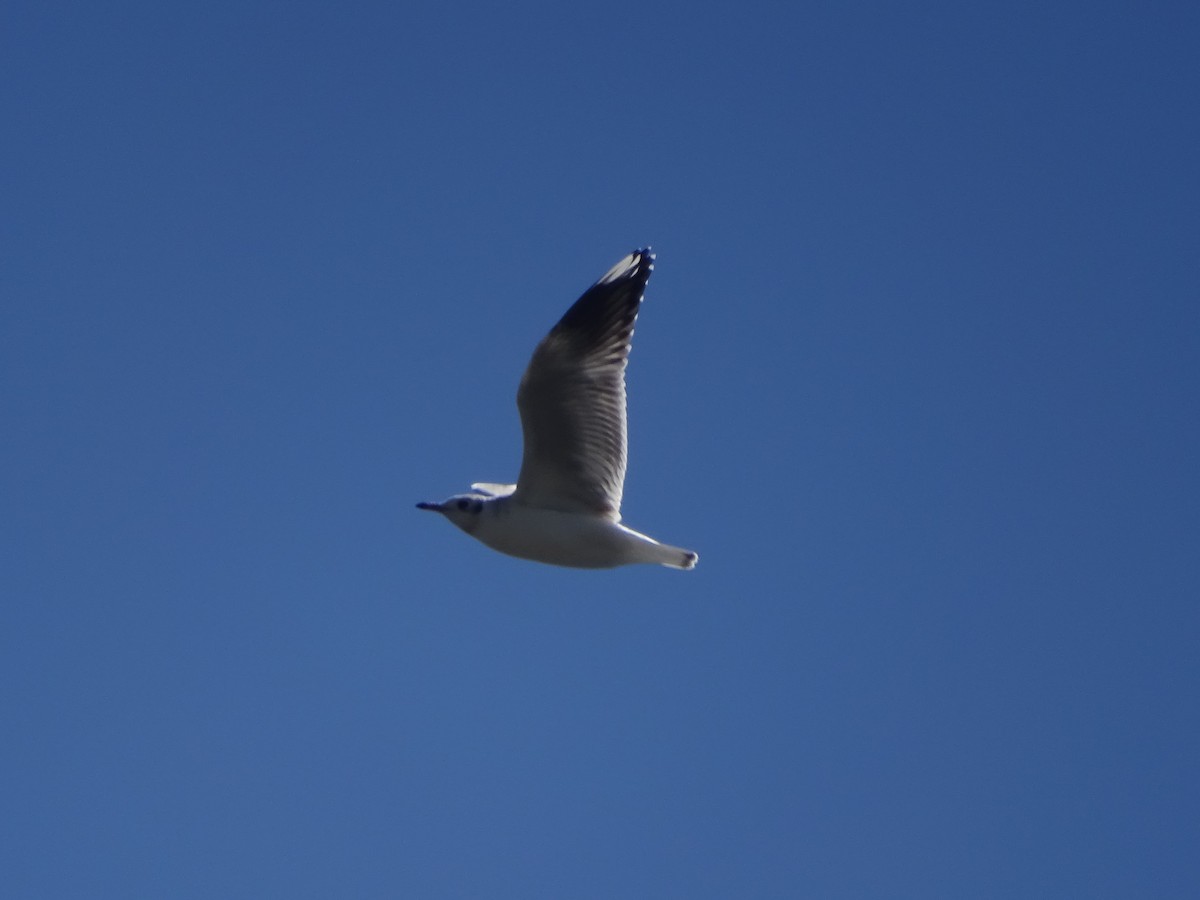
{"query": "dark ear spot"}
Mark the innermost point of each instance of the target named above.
(477, 507)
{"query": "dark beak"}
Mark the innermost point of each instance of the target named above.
(435, 507)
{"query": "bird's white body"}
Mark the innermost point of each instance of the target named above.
(572, 539)
(565, 508)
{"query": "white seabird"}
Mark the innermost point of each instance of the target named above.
(565, 508)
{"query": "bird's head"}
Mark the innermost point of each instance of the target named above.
(461, 509)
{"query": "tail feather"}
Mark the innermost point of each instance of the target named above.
(640, 548)
(677, 557)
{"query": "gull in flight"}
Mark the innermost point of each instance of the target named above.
(565, 508)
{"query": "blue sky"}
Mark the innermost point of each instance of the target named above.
(916, 375)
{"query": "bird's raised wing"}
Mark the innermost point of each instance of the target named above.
(572, 398)
(490, 489)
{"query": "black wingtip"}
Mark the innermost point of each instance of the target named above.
(633, 266)
(602, 319)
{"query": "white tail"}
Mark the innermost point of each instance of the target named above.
(677, 557)
(684, 558)
(643, 548)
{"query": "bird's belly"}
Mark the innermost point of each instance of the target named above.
(562, 539)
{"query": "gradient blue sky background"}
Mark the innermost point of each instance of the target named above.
(917, 375)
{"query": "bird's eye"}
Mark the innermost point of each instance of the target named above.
(463, 504)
